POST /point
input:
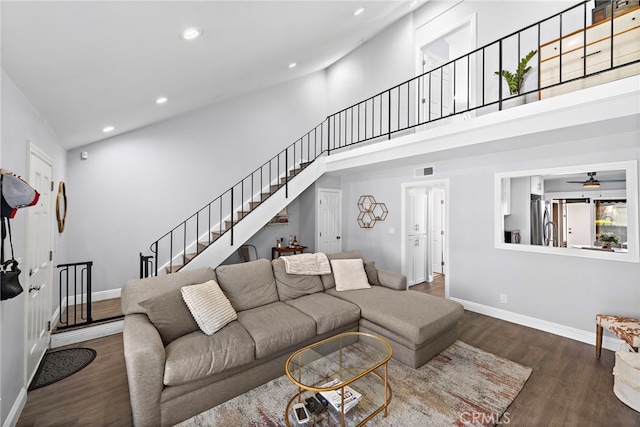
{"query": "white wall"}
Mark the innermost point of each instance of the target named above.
(135, 187)
(390, 58)
(20, 124)
(161, 174)
(560, 289)
(377, 65)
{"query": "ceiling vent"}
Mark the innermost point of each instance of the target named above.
(418, 172)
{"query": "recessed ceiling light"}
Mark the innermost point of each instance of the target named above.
(191, 33)
(358, 12)
(413, 3)
(292, 65)
(161, 100)
(108, 129)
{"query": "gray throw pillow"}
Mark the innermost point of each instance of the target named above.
(170, 315)
(372, 273)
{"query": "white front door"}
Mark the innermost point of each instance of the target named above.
(39, 275)
(579, 224)
(329, 221)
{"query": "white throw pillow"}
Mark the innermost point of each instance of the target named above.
(349, 274)
(209, 306)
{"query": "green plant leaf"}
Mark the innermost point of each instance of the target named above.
(515, 80)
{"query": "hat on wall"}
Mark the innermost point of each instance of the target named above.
(16, 193)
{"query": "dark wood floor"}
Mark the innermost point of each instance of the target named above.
(435, 287)
(103, 309)
(568, 386)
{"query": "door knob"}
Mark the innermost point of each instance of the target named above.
(338, 237)
(34, 288)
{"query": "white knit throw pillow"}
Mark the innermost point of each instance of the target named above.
(209, 306)
(349, 274)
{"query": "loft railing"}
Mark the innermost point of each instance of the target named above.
(458, 89)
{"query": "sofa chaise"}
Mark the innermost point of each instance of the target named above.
(175, 370)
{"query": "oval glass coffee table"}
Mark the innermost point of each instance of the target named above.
(350, 370)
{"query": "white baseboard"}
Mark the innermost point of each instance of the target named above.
(16, 409)
(95, 296)
(84, 334)
(588, 337)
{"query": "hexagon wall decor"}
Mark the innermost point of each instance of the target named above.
(370, 211)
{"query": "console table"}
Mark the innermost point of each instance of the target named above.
(276, 252)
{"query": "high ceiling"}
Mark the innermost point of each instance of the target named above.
(85, 65)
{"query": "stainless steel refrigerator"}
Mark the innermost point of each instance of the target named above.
(544, 231)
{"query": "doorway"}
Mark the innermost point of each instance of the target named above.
(449, 87)
(329, 233)
(579, 222)
(39, 271)
(424, 235)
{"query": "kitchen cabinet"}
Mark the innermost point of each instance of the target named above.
(417, 251)
(537, 185)
(417, 258)
(576, 59)
(506, 196)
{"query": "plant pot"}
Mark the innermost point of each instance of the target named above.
(514, 101)
(606, 245)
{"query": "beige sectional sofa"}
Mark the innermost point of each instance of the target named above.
(176, 371)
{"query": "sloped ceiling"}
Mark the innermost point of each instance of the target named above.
(88, 64)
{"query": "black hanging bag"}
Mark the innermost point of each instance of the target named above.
(10, 284)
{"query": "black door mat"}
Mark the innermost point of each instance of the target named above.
(58, 365)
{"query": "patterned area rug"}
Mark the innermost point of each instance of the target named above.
(462, 386)
(58, 365)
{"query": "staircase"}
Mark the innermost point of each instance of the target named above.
(234, 226)
(213, 233)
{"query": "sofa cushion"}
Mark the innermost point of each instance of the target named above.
(329, 313)
(209, 306)
(328, 280)
(349, 274)
(136, 290)
(413, 315)
(294, 285)
(248, 284)
(170, 315)
(196, 355)
(275, 327)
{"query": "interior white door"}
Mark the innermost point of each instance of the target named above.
(437, 231)
(438, 88)
(329, 221)
(39, 277)
(579, 224)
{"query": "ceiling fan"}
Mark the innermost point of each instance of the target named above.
(592, 182)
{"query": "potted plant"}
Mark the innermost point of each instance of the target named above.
(515, 80)
(607, 239)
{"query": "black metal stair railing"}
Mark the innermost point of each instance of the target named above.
(185, 241)
(466, 85)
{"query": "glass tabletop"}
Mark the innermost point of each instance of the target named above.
(313, 367)
(349, 370)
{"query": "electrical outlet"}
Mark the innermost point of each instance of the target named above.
(503, 298)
